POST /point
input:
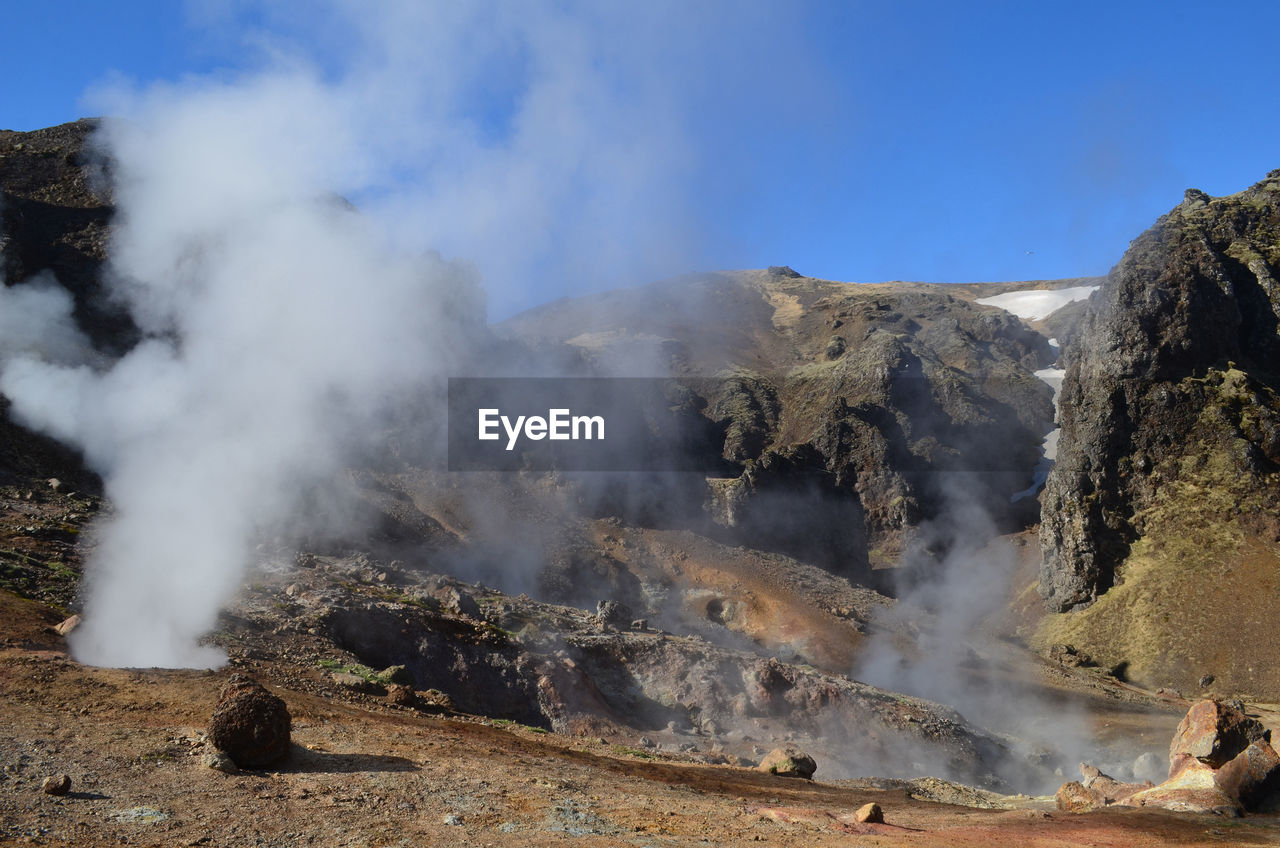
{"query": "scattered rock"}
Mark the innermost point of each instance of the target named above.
(451, 600)
(1207, 680)
(219, 761)
(67, 625)
(1069, 656)
(396, 674)
(835, 348)
(783, 271)
(1096, 791)
(640, 624)
(57, 784)
(788, 762)
(401, 696)
(250, 724)
(452, 820)
(356, 683)
(613, 614)
(1220, 761)
(869, 814)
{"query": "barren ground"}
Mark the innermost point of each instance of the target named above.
(366, 773)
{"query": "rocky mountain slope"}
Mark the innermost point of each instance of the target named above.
(890, 399)
(676, 623)
(1160, 514)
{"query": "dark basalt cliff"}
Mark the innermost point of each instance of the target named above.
(1170, 390)
(55, 216)
(854, 413)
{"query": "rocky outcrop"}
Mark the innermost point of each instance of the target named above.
(55, 216)
(1172, 381)
(1220, 761)
(882, 403)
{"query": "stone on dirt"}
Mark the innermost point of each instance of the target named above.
(57, 784)
(1096, 791)
(250, 724)
(67, 625)
(1214, 732)
(219, 761)
(789, 762)
(401, 696)
(869, 814)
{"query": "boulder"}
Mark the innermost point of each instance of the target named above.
(1220, 761)
(57, 784)
(250, 724)
(401, 696)
(789, 762)
(613, 614)
(1096, 791)
(355, 683)
(1192, 790)
(1214, 733)
(1069, 656)
(67, 625)
(869, 814)
(397, 674)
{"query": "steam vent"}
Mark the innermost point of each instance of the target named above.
(612, 424)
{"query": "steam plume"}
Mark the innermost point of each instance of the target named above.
(278, 323)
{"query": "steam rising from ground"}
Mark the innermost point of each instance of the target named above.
(278, 323)
(942, 641)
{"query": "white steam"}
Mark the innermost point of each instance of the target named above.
(944, 640)
(278, 322)
(36, 321)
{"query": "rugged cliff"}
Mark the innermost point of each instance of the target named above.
(871, 408)
(1173, 380)
(1160, 523)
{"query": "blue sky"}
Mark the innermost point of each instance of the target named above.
(858, 141)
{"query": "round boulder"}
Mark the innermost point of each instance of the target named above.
(58, 784)
(789, 762)
(250, 724)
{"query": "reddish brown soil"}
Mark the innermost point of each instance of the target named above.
(375, 775)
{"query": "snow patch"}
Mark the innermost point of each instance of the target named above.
(1035, 304)
(1049, 450)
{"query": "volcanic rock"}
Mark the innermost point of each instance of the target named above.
(1220, 761)
(1096, 791)
(1214, 733)
(869, 814)
(613, 614)
(67, 625)
(219, 761)
(788, 762)
(250, 724)
(58, 784)
(1172, 380)
(401, 696)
